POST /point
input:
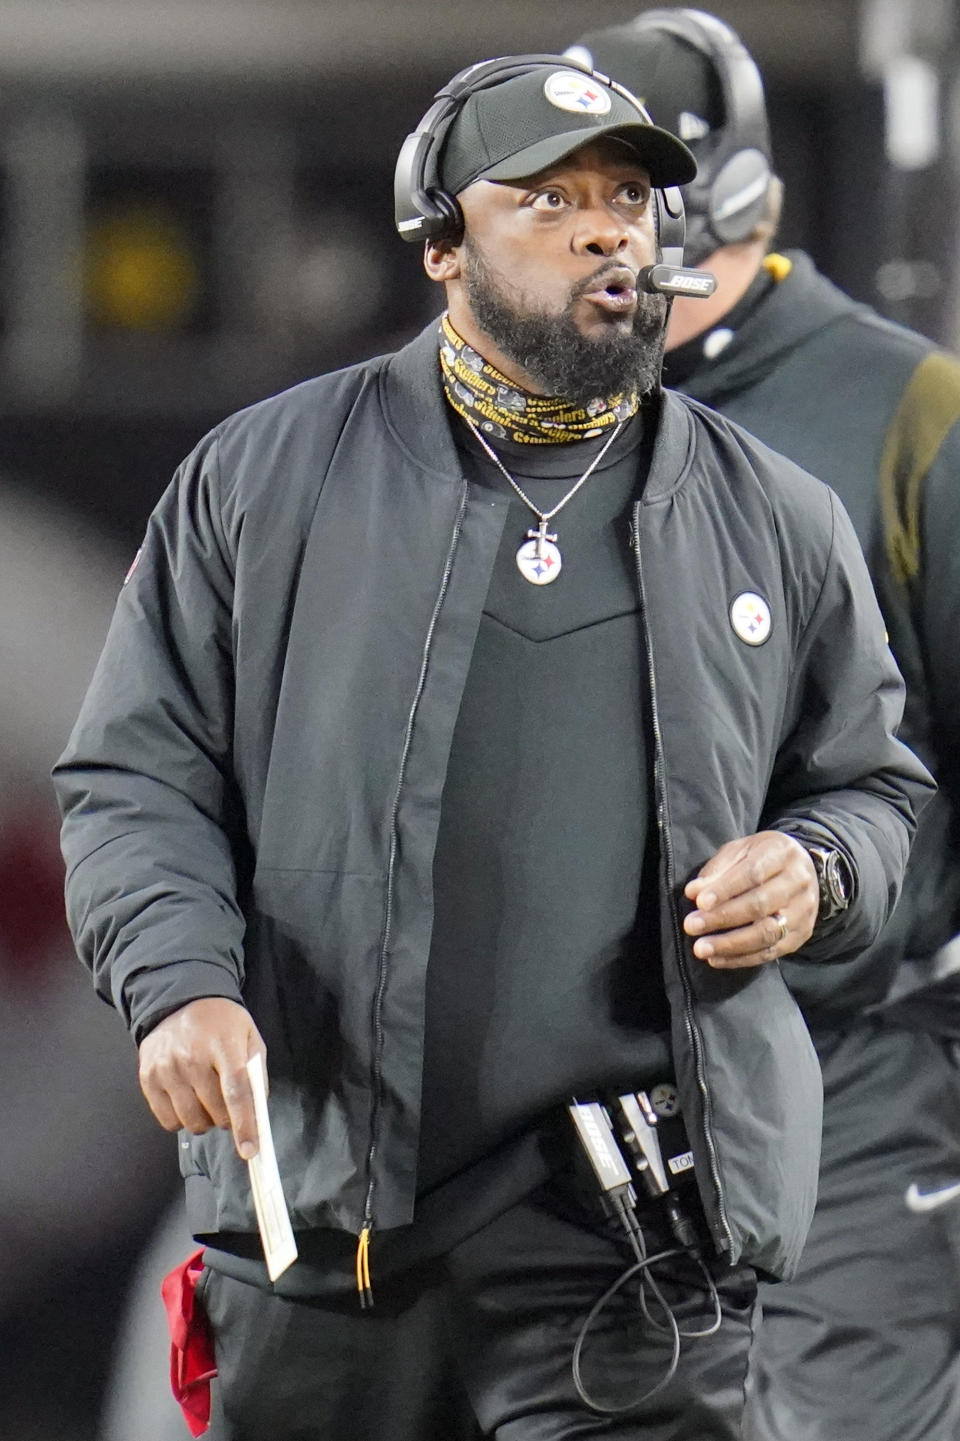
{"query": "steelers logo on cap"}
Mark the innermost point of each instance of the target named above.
(578, 93)
(750, 617)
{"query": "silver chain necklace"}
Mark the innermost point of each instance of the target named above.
(538, 559)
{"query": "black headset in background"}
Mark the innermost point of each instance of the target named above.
(425, 211)
(728, 198)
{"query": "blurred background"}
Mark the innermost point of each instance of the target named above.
(196, 211)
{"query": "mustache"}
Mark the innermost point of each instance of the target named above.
(591, 282)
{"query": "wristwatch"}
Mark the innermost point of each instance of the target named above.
(834, 878)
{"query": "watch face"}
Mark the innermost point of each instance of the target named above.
(837, 878)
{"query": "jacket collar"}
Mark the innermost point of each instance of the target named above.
(671, 462)
(415, 407)
(417, 413)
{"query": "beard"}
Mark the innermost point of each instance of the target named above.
(553, 351)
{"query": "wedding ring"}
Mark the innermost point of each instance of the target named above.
(783, 924)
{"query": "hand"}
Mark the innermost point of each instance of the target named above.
(193, 1070)
(742, 890)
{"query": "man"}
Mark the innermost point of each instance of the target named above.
(866, 1341)
(476, 730)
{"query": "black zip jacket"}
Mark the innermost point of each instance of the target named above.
(252, 791)
(873, 410)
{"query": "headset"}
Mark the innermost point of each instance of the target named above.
(425, 211)
(728, 198)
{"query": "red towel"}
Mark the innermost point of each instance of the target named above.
(192, 1360)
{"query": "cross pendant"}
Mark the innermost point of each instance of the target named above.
(541, 536)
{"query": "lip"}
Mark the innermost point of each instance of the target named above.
(615, 291)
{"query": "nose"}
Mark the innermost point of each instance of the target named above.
(601, 232)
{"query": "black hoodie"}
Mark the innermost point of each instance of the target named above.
(873, 409)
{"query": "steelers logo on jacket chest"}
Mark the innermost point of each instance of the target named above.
(750, 618)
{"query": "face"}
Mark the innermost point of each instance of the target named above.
(544, 281)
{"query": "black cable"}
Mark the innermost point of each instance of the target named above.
(712, 1292)
(634, 1230)
(622, 1280)
(672, 1328)
(635, 1235)
(714, 1295)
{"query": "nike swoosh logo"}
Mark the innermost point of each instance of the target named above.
(918, 1200)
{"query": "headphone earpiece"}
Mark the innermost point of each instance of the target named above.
(450, 217)
(423, 211)
(738, 196)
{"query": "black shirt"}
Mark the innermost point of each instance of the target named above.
(544, 976)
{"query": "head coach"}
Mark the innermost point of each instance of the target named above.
(478, 728)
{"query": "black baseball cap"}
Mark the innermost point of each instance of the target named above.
(673, 80)
(673, 76)
(534, 120)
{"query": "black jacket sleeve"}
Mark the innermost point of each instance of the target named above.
(145, 782)
(842, 778)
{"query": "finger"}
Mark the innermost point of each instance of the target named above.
(159, 1103)
(750, 874)
(753, 905)
(210, 1095)
(728, 855)
(760, 864)
(172, 1100)
(729, 875)
(744, 962)
(192, 1114)
(764, 938)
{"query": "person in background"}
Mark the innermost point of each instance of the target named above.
(865, 1341)
(477, 729)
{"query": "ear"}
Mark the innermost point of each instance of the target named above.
(441, 260)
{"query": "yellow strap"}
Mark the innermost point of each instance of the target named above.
(363, 1268)
(928, 410)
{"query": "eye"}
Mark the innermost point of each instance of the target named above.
(549, 200)
(634, 193)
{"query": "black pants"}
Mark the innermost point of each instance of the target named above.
(480, 1343)
(864, 1345)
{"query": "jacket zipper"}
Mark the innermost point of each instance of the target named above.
(689, 1013)
(363, 1242)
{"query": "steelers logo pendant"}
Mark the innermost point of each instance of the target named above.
(539, 561)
